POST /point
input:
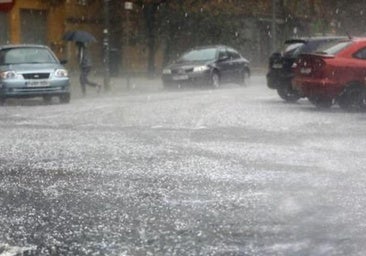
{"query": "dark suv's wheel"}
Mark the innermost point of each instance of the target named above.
(287, 93)
(352, 98)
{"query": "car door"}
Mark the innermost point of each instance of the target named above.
(359, 65)
(236, 65)
(224, 64)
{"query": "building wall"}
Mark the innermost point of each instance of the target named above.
(87, 16)
(55, 19)
(3, 28)
(62, 15)
(54, 26)
(65, 15)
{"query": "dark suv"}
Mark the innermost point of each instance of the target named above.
(281, 64)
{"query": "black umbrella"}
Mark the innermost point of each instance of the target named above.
(79, 36)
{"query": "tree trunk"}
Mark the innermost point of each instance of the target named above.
(149, 14)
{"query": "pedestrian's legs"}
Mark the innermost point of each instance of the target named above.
(87, 81)
(83, 75)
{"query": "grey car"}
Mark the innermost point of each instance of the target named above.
(207, 65)
(32, 71)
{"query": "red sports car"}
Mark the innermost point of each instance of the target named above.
(336, 75)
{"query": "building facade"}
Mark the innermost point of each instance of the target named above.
(45, 22)
(154, 31)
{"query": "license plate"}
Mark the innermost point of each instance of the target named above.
(181, 77)
(305, 71)
(41, 83)
(277, 66)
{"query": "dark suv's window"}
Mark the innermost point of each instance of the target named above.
(289, 49)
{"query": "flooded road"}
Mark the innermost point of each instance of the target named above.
(231, 171)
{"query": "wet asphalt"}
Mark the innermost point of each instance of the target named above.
(145, 171)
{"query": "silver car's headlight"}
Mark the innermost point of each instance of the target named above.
(61, 72)
(9, 75)
(167, 71)
(200, 68)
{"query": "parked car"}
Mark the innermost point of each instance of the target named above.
(208, 65)
(337, 74)
(32, 71)
(281, 64)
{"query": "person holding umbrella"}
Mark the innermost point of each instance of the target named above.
(85, 64)
(82, 38)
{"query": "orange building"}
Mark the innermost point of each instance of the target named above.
(45, 22)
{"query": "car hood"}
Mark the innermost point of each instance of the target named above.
(31, 67)
(188, 64)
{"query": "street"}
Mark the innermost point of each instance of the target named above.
(231, 171)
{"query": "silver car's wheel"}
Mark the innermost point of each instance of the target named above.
(47, 99)
(215, 80)
(65, 98)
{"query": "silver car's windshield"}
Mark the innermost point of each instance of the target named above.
(26, 55)
(200, 55)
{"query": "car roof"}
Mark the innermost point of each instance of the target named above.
(211, 46)
(358, 39)
(9, 46)
(314, 39)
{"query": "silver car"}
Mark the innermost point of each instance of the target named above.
(32, 71)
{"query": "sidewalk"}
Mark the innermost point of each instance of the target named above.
(118, 85)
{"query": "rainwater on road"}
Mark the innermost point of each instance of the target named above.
(230, 171)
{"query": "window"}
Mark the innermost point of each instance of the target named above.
(3, 28)
(26, 55)
(233, 54)
(361, 54)
(223, 54)
(200, 55)
(337, 48)
(33, 26)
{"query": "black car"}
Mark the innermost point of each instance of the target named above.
(281, 64)
(209, 65)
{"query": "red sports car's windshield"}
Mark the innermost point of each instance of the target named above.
(336, 48)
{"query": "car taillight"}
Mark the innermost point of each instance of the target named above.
(314, 67)
(319, 68)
